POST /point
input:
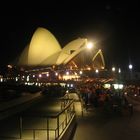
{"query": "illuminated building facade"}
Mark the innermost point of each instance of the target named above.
(44, 50)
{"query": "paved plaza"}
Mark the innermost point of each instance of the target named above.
(92, 124)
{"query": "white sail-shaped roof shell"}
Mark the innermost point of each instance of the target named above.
(44, 50)
(70, 50)
(43, 44)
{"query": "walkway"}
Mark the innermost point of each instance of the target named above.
(34, 118)
(14, 106)
(92, 124)
(95, 126)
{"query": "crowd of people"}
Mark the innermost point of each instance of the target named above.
(97, 96)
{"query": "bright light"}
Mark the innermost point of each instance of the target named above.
(81, 72)
(88, 68)
(68, 77)
(107, 86)
(71, 85)
(9, 66)
(75, 73)
(119, 71)
(47, 74)
(120, 86)
(56, 74)
(27, 78)
(67, 73)
(1, 79)
(125, 93)
(130, 66)
(33, 76)
(97, 71)
(116, 86)
(16, 79)
(113, 68)
(40, 75)
(89, 45)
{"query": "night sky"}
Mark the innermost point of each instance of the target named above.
(114, 27)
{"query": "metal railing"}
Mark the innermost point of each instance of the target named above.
(55, 124)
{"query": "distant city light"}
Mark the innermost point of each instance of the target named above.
(119, 70)
(116, 86)
(75, 73)
(16, 79)
(67, 73)
(107, 85)
(81, 72)
(125, 93)
(130, 66)
(120, 86)
(97, 71)
(71, 85)
(1, 79)
(9, 66)
(88, 68)
(27, 78)
(113, 69)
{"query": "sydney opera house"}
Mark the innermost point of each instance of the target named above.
(44, 51)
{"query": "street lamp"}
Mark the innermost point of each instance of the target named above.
(97, 71)
(119, 71)
(56, 74)
(113, 72)
(81, 72)
(113, 69)
(67, 73)
(90, 45)
(130, 68)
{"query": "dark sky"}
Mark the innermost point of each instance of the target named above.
(115, 27)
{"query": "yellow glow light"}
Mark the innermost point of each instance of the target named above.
(9, 66)
(80, 72)
(89, 45)
(113, 68)
(97, 71)
(88, 68)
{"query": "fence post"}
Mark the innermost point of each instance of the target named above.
(58, 125)
(47, 129)
(33, 134)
